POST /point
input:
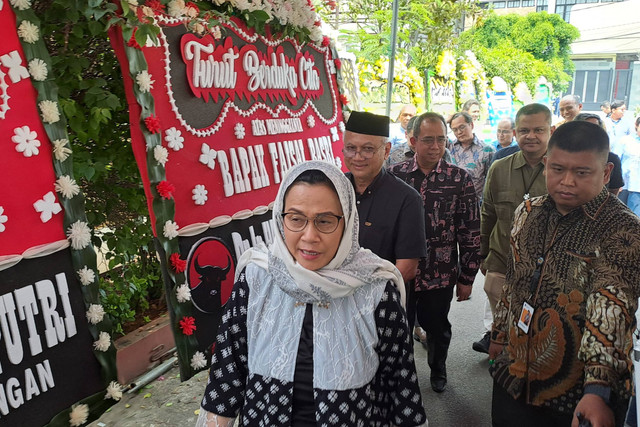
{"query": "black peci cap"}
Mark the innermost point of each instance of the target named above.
(368, 124)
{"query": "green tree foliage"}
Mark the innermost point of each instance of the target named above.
(425, 28)
(523, 48)
(91, 92)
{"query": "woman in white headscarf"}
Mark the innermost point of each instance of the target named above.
(314, 332)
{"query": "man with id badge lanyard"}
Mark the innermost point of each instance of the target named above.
(562, 331)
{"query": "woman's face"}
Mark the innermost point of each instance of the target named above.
(311, 248)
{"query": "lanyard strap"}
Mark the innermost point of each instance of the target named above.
(524, 184)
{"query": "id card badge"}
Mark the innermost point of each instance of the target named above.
(525, 317)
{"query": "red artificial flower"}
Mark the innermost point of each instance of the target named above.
(188, 325)
(193, 6)
(178, 265)
(165, 188)
(344, 99)
(153, 123)
(326, 41)
(338, 63)
(132, 41)
(155, 5)
(331, 3)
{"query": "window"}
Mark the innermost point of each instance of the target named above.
(541, 5)
(513, 3)
(499, 4)
(528, 3)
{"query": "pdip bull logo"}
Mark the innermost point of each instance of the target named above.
(206, 295)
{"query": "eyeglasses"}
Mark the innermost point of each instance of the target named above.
(430, 140)
(365, 152)
(324, 223)
(460, 128)
(505, 132)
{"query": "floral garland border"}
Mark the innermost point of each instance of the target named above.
(76, 226)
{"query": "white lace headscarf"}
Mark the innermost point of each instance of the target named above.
(350, 268)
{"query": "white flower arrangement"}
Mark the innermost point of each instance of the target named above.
(198, 361)
(160, 154)
(3, 219)
(67, 186)
(95, 314)
(27, 141)
(170, 229)
(103, 343)
(183, 293)
(176, 8)
(86, 275)
(114, 391)
(208, 156)
(239, 130)
(49, 110)
(174, 139)
(78, 415)
(79, 234)
(145, 84)
(28, 32)
(38, 69)
(199, 194)
(61, 150)
(21, 4)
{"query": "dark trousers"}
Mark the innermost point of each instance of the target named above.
(410, 288)
(507, 412)
(432, 310)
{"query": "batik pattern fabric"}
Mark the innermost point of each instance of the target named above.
(476, 159)
(252, 369)
(452, 222)
(580, 335)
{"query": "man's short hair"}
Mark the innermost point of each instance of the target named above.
(534, 108)
(637, 122)
(617, 104)
(575, 98)
(584, 117)
(605, 104)
(411, 122)
(470, 103)
(467, 117)
(512, 122)
(579, 136)
(430, 117)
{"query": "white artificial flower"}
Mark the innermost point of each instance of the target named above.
(198, 361)
(174, 139)
(27, 141)
(311, 121)
(170, 229)
(208, 156)
(176, 8)
(216, 33)
(28, 32)
(191, 12)
(38, 69)
(87, 276)
(239, 130)
(78, 415)
(114, 391)
(95, 314)
(67, 186)
(49, 110)
(60, 150)
(143, 78)
(199, 194)
(79, 234)
(199, 28)
(103, 343)
(341, 126)
(160, 154)
(21, 4)
(183, 293)
(47, 206)
(3, 219)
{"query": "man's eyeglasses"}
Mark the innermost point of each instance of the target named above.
(505, 132)
(324, 223)
(430, 140)
(365, 152)
(460, 128)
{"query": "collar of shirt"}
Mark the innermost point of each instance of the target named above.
(413, 166)
(591, 209)
(519, 161)
(475, 141)
(372, 187)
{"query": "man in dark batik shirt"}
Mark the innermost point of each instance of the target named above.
(452, 221)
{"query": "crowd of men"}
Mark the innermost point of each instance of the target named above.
(537, 213)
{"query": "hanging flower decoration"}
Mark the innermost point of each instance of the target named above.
(38, 69)
(114, 391)
(446, 65)
(95, 314)
(103, 343)
(160, 154)
(155, 5)
(78, 415)
(343, 99)
(179, 265)
(170, 229)
(61, 150)
(145, 83)
(326, 41)
(49, 110)
(183, 293)
(188, 325)
(28, 32)
(86, 275)
(21, 4)
(198, 360)
(165, 189)
(152, 123)
(67, 186)
(79, 234)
